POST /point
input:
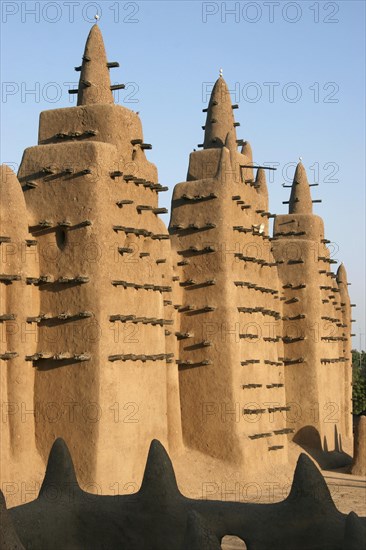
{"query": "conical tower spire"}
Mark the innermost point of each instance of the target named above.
(342, 275)
(261, 184)
(220, 119)
(230, 140)
(246, 150)
(262, 194)
(230, 143)
(300, 199)
(95, 83)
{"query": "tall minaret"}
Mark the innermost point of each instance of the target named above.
(345, 345)
(105, 354)
(227, 296)
(314, 363)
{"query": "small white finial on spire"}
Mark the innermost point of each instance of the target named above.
(300, 159)
(220, 72)
(97, 17)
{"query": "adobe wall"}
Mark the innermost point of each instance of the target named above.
(315, 372)
(20, 461)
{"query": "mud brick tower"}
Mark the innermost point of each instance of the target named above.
(229, 298)
(104, 259)
(18, 301)
(316, 324)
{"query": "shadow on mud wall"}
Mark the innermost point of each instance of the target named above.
(308, 438)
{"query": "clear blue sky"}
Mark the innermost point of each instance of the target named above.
(297, 71)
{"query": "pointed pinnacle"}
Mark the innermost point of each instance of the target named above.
(230, 140)
(342, 274)
(159, 477)
(230, 143)
(341, 278)
(220, 118)
(94, 83)
(224, 169)
(60, 472)
(309, 484)
(246, 150)
(261, 183)
(300, 199)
